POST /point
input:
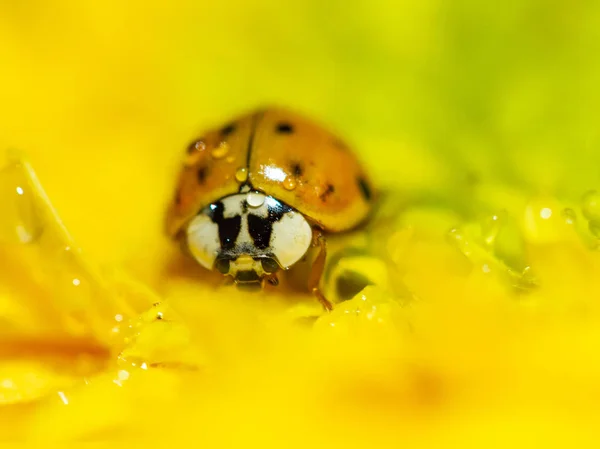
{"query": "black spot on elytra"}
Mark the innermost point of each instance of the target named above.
(229, 228)
(328, 191)
(340, 144)
(202, 174)
(297, 169)
(364, 188)
(284, 128)
(227, 130)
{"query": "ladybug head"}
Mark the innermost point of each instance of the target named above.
(248, 236)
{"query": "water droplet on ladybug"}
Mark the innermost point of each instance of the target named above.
(198, 146)
(241, 174)
(289, 183)
(255, 199)
(194, 153)
(220, 151)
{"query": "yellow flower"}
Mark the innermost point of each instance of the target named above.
(467, 312)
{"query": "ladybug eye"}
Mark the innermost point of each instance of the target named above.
(269, 265)
(222, 265)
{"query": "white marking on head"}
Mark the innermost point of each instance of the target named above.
(275, 230)
(291, 238)
(203, 240)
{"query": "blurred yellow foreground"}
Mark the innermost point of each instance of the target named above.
(480, 322)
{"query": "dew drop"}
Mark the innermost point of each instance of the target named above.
(455, 237)
(21, 218)
(241, 174)
(526, 281)
(491, 227)
(220, 151)
(255, 199)
(591, 205)
(569, 216)
(289, 183)
(529, 275)
(545, 213)
(198, 146)
(195, 152)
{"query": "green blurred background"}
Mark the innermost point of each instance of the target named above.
(436, 96)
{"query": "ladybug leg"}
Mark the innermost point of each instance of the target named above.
(271, 279)
(317, 269)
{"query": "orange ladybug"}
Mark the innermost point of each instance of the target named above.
(256, 194)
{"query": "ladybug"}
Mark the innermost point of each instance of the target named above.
(256, 194)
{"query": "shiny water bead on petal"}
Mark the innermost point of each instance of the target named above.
(20, 219)
(545, 213)
(372, 313)
(456, 237)
(569, 216)
(591, 205)
(542, 222)
(491, 227)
